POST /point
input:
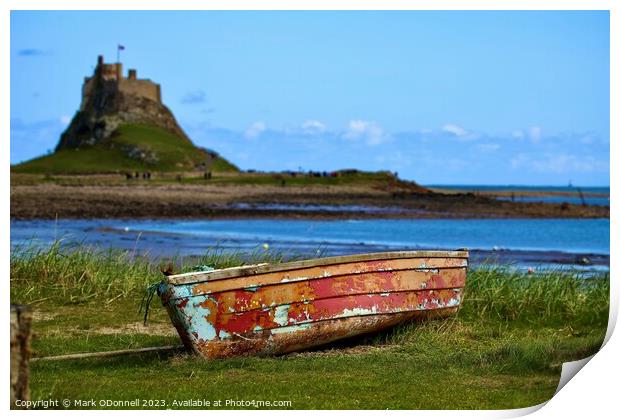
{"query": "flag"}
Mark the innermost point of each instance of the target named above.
(121, 47)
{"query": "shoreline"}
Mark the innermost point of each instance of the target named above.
(587, 262)
(159, 242)
(218, 201)
(226, 214)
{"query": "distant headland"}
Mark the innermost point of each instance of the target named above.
(123, 126)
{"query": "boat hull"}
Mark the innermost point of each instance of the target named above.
(276, 309)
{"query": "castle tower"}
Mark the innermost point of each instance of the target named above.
(119, 71)
(109, 99)
(109, 77)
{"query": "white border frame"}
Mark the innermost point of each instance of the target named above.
(591, 394)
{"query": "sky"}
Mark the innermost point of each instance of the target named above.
(459, 97)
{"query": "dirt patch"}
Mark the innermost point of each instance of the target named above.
(136, 328)
(353, 350)
(43, 316)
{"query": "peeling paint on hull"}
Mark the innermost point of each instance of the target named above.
(293, 306)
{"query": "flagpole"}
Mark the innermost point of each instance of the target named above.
(118, 53)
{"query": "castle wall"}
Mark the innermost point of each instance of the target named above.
(112, 81)
(112, 71)
(142, 88)
(92, 86)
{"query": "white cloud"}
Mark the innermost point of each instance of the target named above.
(535, 134)
(255, 130)
(560, 163)
(459, 132)
(65, 119)
(369, 131)
(518, 134)
(569, 163)
(455, 130)
(313, 127)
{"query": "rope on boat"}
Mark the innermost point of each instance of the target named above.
(240, 336)
(76, 356)
(147, 298)
(153, 289)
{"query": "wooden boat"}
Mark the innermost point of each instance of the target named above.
(270, 309)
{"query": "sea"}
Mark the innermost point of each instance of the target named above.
(526, 244)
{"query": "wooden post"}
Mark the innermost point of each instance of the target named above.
(21, 321)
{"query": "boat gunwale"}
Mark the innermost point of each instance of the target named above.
(318, 278)
(249, 270)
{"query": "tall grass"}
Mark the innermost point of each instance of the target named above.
(501, 292)
(82, 274)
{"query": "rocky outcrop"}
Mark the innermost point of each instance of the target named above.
(106, 108)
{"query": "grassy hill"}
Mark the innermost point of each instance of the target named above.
(132, 148)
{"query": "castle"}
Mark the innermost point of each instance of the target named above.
(111, 77)
(110, 100)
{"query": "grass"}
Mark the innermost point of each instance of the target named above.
(359, 177)
(498, 292)
(83, 274)
(173, 154)
(504, 348)
(223, 176)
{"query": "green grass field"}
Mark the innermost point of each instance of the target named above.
(222, 177)
(173, 154)
(504, 349)
(360, 177)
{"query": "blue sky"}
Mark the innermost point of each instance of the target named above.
(462, 97)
